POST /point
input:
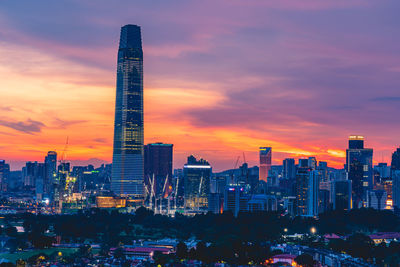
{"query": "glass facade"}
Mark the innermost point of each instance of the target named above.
(197, 174)
(360, 170)
(127, 168)
(265, 163)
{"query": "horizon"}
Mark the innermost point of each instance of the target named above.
(287, 76)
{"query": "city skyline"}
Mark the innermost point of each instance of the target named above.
(303, 96)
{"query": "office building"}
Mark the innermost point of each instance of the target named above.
(128, 164)
(289, 169)
(303, 163)
(360, 169)
(341, 194)
(4, 175)
(265, 163)
(307, 191)
(262, 202)
(377, 199)
(235, 198)
(196, 175)
(51, 171)
(158, 168)
(216, 203)
(312, 163)
(323, 170)
(323, 201)
(396, 189)
(395, 165)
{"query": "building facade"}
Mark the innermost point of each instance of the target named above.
(289, 169)
(395, 165)
(196, 175)
(360, 169)
(265, 163)
(341, 195)
(128, 164)
(158, 167)
(307, 191)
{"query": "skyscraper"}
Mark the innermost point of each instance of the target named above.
(395, 165)
(307, 191)
(289, 169)
(51, 170)
(396, 189)
(4, 173)
(197, 175)
(341, 195)
(265, 163)
(158, 166)
(127, 169)
(360, 169)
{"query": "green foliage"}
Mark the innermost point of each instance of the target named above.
(305, 260)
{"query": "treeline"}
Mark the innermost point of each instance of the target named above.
(112, 227)
(362, 246)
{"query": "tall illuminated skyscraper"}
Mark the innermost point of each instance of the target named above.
(360, 169)
(265, 163)
(127, 169)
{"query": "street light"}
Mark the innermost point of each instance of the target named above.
(313, 230)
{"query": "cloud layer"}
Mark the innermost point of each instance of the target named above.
(220, 77)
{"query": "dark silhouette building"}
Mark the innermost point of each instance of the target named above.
(395, 165)
(341, 195)
(158, 167)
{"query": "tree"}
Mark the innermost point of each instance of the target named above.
(11, 231)
(119, 253)
(181, 251)
(360, 246)
(305, 260)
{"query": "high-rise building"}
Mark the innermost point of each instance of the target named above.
(341, 195)
(235, 198)
(396, 189)
(360, 169)
(158, 167)
(128, 166)
(34, 174)
(265, 163)
(262, 202)
(383, 170)
(51, 170)
(307, 191)
(323, 200)
(197, 175)
(376, 199)
(323, 170)
(4, 174)
(303, 163)
(395, 165)
(312, 163)
(289, 169)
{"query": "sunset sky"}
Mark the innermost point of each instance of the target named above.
(221, 77)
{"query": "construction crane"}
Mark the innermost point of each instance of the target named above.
(198, 197)
(247, 170)
(176, 190)
(234, 167)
